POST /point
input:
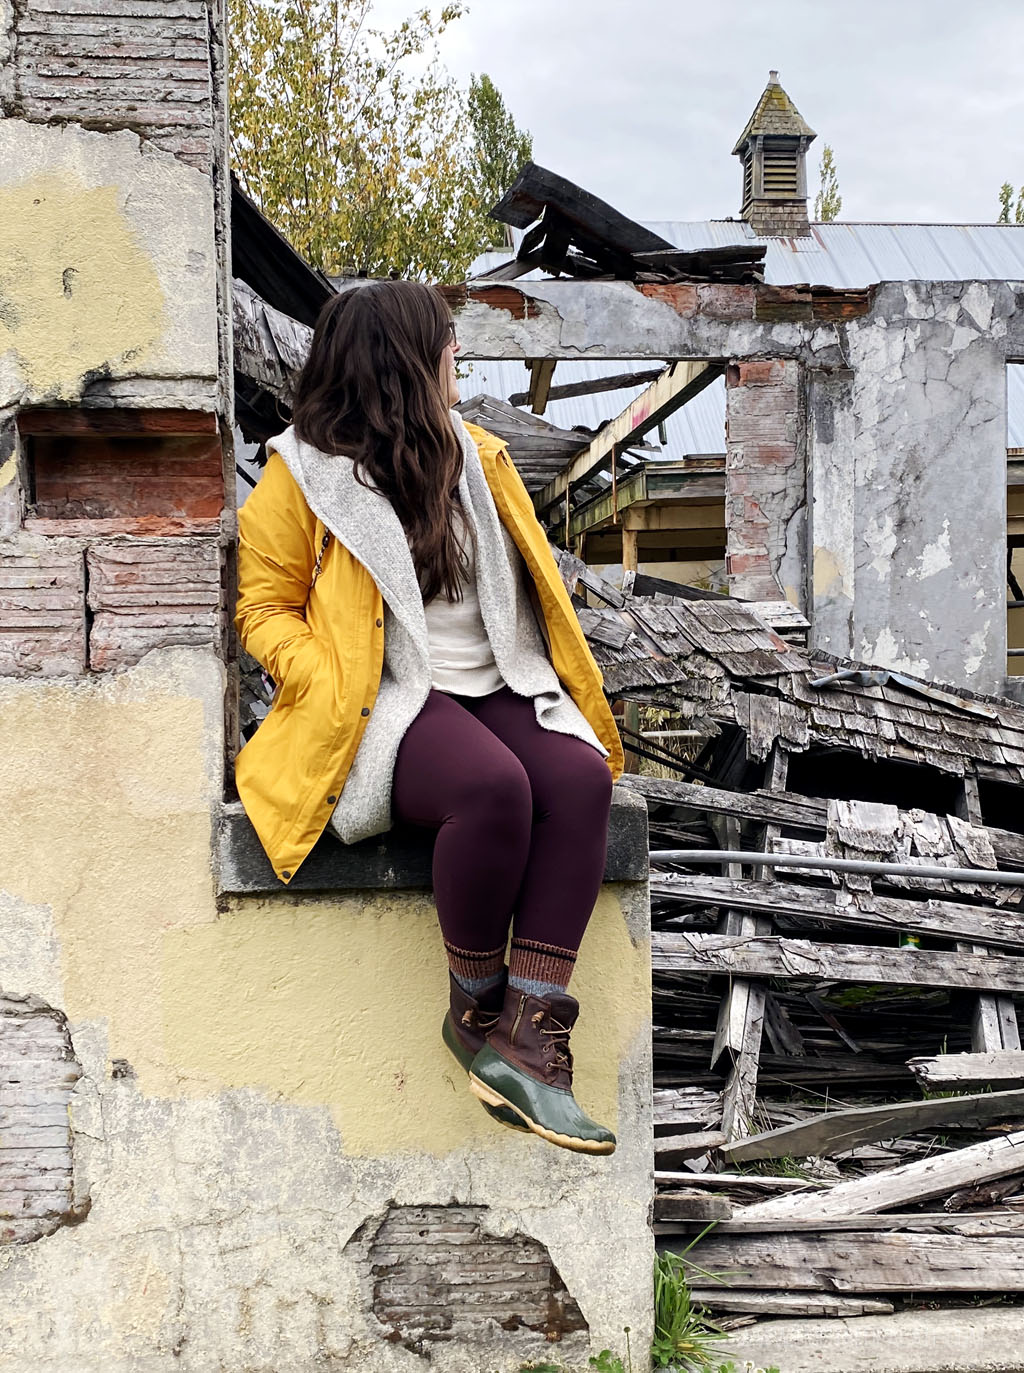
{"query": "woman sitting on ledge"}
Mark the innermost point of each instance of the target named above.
(395, 582)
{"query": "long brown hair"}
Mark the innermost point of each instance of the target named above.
(371, 390)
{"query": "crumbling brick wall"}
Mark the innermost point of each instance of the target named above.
(38, 1072)
(117, 64)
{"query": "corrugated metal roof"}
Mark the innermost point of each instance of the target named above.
(841, 255)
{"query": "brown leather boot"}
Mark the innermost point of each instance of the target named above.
(526, 1067)
(465, 1028)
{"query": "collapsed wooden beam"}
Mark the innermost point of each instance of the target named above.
(1004, 1069)
(852, 1263)
(618, 381)
(774, 956)
(837, 1131)
(935, 1176)
(674, 387)
(946, 919)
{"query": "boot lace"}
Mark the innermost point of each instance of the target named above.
(556, 1049)
(483, 1021)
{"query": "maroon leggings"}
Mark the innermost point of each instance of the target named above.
(521, 815)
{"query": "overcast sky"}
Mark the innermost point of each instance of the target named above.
(641, 101)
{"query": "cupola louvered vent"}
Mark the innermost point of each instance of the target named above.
(781, 176)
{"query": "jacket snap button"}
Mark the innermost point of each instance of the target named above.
(380, 624)
(286, 874)
(331, 800)
(366, 710)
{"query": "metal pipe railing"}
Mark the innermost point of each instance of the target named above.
(858, 865)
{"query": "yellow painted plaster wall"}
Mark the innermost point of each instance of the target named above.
(107, 789)
(78, 288)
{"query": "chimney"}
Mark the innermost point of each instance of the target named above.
(773, 148)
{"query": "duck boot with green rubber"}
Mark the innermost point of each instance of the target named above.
(465, 1029)
(526, 1066)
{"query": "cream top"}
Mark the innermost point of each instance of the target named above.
(461, 659)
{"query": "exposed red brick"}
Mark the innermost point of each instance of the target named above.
(147, 595)
(726, 302)
(104, 477)
(763, 481)
(42, 613)
(140, 526)
(507, 298)
(683, 299)
(763, 372)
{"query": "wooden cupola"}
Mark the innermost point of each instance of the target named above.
(773, 148)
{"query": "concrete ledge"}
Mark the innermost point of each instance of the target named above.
(397, 860)
(968, 1340)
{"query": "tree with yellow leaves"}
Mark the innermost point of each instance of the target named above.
(354, 141)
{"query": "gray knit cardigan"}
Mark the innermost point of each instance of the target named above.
(364, 521)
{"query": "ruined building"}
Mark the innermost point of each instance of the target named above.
(201, 1164)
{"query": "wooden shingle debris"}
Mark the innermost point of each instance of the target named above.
(741, 672)
(571, 232)
(539, 450)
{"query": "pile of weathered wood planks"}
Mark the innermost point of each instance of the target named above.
(839, 1080)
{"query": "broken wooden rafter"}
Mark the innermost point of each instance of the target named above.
(619, 381)
(995, 1070)
(837, 1131)
(673, 388)
(943, 919)
(775, 956)
(541, 372)
(569, 230)
(906, 1184)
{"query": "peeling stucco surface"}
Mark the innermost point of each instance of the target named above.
(107, 269)
(905, 450)
(254, 1089)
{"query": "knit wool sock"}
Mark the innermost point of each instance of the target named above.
(476, 971)
(540, 970)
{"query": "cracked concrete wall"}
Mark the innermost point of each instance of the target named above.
(908, 472)
(262, 1080)
(898, 541)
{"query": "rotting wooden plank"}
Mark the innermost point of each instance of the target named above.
(740, 1016)
(1004, 1069)
(776, 956)
(799, 812)
(907, 1183)
(670, 1149)
(948, 919)
(837, 1131)
(976, 1224)
(695, 1106)
(786, 1303)
(854, 1263)
(727, 1180)
(994, 1022)
(691, 1205)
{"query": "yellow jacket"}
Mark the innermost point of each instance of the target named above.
(322, 640)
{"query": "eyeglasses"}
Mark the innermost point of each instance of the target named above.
(452, 336)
